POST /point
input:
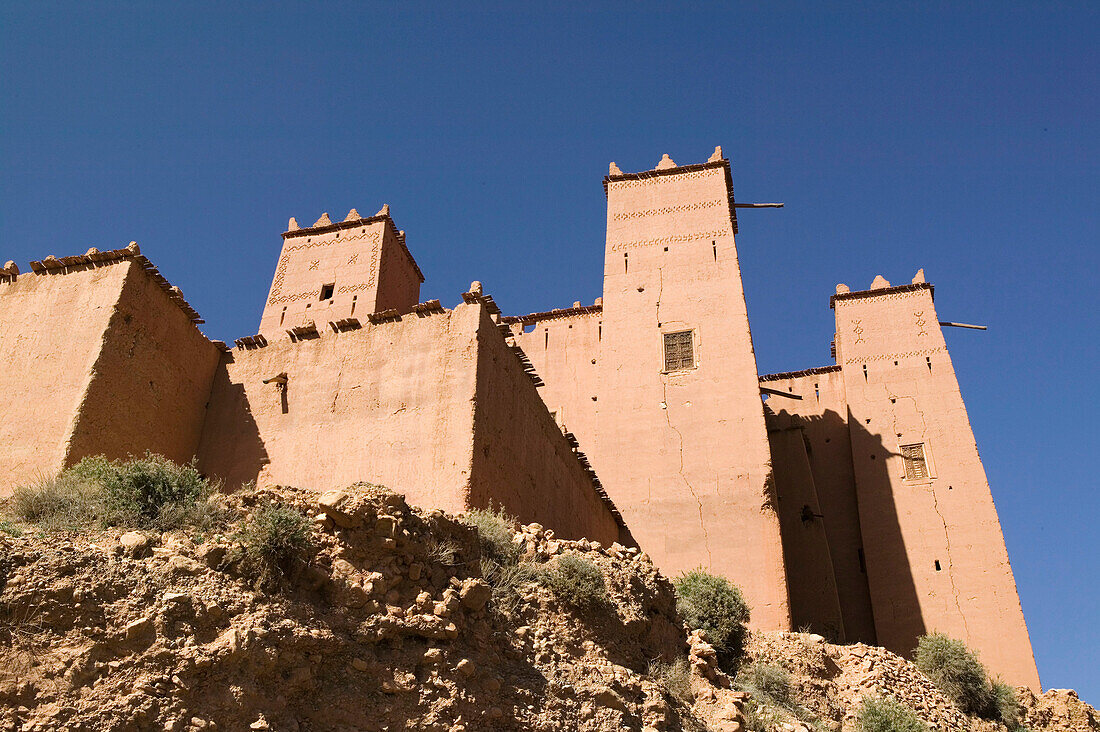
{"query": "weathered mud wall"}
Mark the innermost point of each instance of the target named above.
(521, 459)
(936, 557)
(684, 451)
(390, 403)
(150, 381)
(51, 333)
(822, 417)
(806, 552)
(565, 351)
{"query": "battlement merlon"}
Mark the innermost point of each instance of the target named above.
(667, 167)
(324, 226)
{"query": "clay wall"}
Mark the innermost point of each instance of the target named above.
(936, 557)
(388, 404)
(565, 350)
(51, 333)
(684, 454)
(521, 459)
(433, 405)
(151, 379)
(822, 417)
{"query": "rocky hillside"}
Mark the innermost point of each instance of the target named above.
(386, 621)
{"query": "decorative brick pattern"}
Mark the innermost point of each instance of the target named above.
(627, 215)
(673, 239)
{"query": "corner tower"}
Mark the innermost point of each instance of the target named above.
(331, 271)
(681, 443)
(935, 554)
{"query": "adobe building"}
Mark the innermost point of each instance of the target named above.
(852, 501)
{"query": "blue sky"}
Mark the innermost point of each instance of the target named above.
(958, 138)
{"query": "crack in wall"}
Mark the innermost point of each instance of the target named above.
(698, 501)
(935, 505)
(950, 564)
(679, 435)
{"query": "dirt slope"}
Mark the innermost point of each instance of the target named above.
(389, 626)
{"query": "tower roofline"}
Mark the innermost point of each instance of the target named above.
(357, 222)
(720, 163)
(860, 294)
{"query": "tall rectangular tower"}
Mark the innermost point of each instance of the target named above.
(331, 271)
(935, 555)
(681, 444)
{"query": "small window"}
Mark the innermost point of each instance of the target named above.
(916, 467)
(679, 350)
(327, 290)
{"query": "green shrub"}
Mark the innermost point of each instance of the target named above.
(7, 527)
(712, 604)
(275, 539)
(140, 490)
(767, 681)
(886, 715)
(150, 492)
(576, 581)
(675, 677)
(956, 670)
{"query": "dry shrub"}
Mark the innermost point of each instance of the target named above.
(883, 714)
(276, 540)
(675, 677)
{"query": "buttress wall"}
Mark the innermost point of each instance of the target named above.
(51, 333)
(820, 418)
(98, 359)
(936, 558)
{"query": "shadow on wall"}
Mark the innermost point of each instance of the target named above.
(899, 621)
(867, 553)
(231, 447)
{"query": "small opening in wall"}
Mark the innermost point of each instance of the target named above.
(308, 305)
(868, 420)
(599, 332)
(282, 315)
(828, 439)
(546, 338)
(893, 401)
(895, 363)
(937, 565)
(817, 392)
(666, 249)
(337, 234)
(714, 248)
(353, 299)
(950, 487)
(570, 326)
(865, 372)
(626, 262)
(327, 291)
(872, 457)
(928, 361)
